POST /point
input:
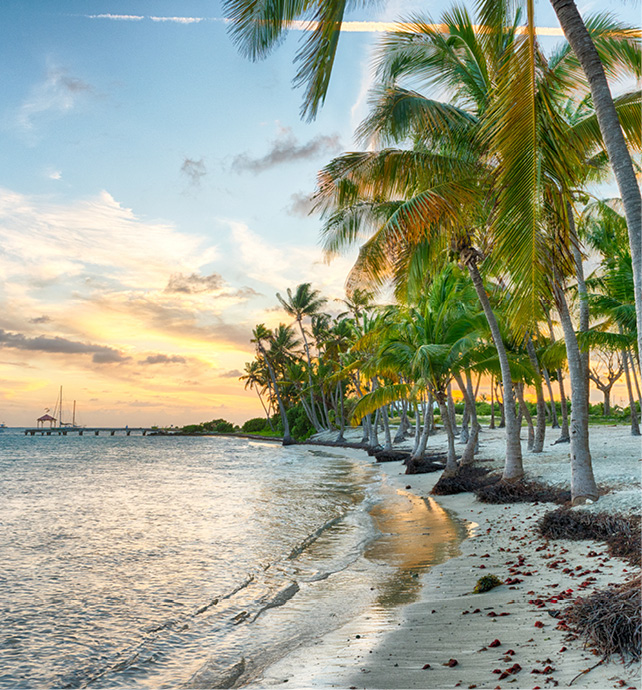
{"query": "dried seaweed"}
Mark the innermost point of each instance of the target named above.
(609, 620)
(486, 583)
(522, 492)
(468, 478)
(621, 532)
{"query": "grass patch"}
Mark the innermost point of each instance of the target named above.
(468, 478)
(609, 620)
(620, 532)
(522, 492)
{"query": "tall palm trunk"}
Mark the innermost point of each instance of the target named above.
(583, 486)
(554, 422)
(580, 41)
(513, 467)
(451, 410)
(519, 389)
(565, 436)
(451, 460)
(635, 425)
(540, 431)
(267, 416)
(314, 419)
(468, 456)
(342, 422)
(581, 290)
(386, 428)
(492, 403)
(287, 438)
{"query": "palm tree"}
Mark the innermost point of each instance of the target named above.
(254, 377)
(257, 27)
(304, 302)
(260, 335)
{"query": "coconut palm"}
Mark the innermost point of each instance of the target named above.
(258, 26)
(260, 335)
(304, 301)
(255, 377)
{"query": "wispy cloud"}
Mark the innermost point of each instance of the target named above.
(194, 283)
(179, 20)
(300, 205)
(117, 17)
(194, 170)
(57, 93)
(163, 359)
(287, 149)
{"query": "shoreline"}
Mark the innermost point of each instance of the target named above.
(448, 622)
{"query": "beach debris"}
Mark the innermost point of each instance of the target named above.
(494, 643)
(539, 624)
(425, 666)
(451, 663)
(486, 583)
(609, 619)
(522, 492)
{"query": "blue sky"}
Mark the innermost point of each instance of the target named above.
(152, 201)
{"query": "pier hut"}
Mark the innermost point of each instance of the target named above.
(41, 421)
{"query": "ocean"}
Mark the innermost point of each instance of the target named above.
(162, 562)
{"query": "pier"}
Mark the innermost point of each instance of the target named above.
(96, 431)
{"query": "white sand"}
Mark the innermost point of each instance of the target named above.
(371, 652)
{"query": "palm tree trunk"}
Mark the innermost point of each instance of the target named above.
(492, 402)
(635, 425)
(314, 419)
(519, 389)
(451, 410)
(565, 436)
(513, 467)
(386, 428)
(581, 290)
(342, 421)
(635, 377)
(580, 41)
(554, 421)
(287, 438)
(540, 431)
(267, 416)
(583, 486)
(468, 456)
(451, 460)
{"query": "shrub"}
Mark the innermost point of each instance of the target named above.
(254, 425)
(220, 426)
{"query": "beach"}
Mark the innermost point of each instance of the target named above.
(505, 637)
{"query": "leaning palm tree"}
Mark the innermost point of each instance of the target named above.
(304, 301)
(254, 377)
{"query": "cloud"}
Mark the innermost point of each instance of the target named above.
(117, 17)
(55, 175)
(163, 359)
(232, 374)
(300, 205)
(286, 149)
(194, 283)
(193, 171)
(179, 20)
(95, 243)
(57, 94)
(57, 345)
(40, 319)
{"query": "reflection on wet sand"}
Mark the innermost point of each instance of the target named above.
(417, 533)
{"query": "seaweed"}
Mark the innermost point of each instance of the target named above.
(522, 492)
(609, 620)
(621, 532)
(467, 478)
(486, 583)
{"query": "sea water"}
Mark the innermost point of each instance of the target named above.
(190, 562)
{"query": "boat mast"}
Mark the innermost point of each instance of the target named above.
(60, 420)
(73, 419)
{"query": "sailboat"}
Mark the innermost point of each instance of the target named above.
(58, 408)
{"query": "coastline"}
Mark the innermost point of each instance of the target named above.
(412, 648)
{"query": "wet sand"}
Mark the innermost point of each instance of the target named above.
(414, 645)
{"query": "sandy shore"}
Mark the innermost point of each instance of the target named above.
(504, 638)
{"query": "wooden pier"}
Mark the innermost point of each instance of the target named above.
(96, 431)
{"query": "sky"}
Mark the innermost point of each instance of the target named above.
(154, 197)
